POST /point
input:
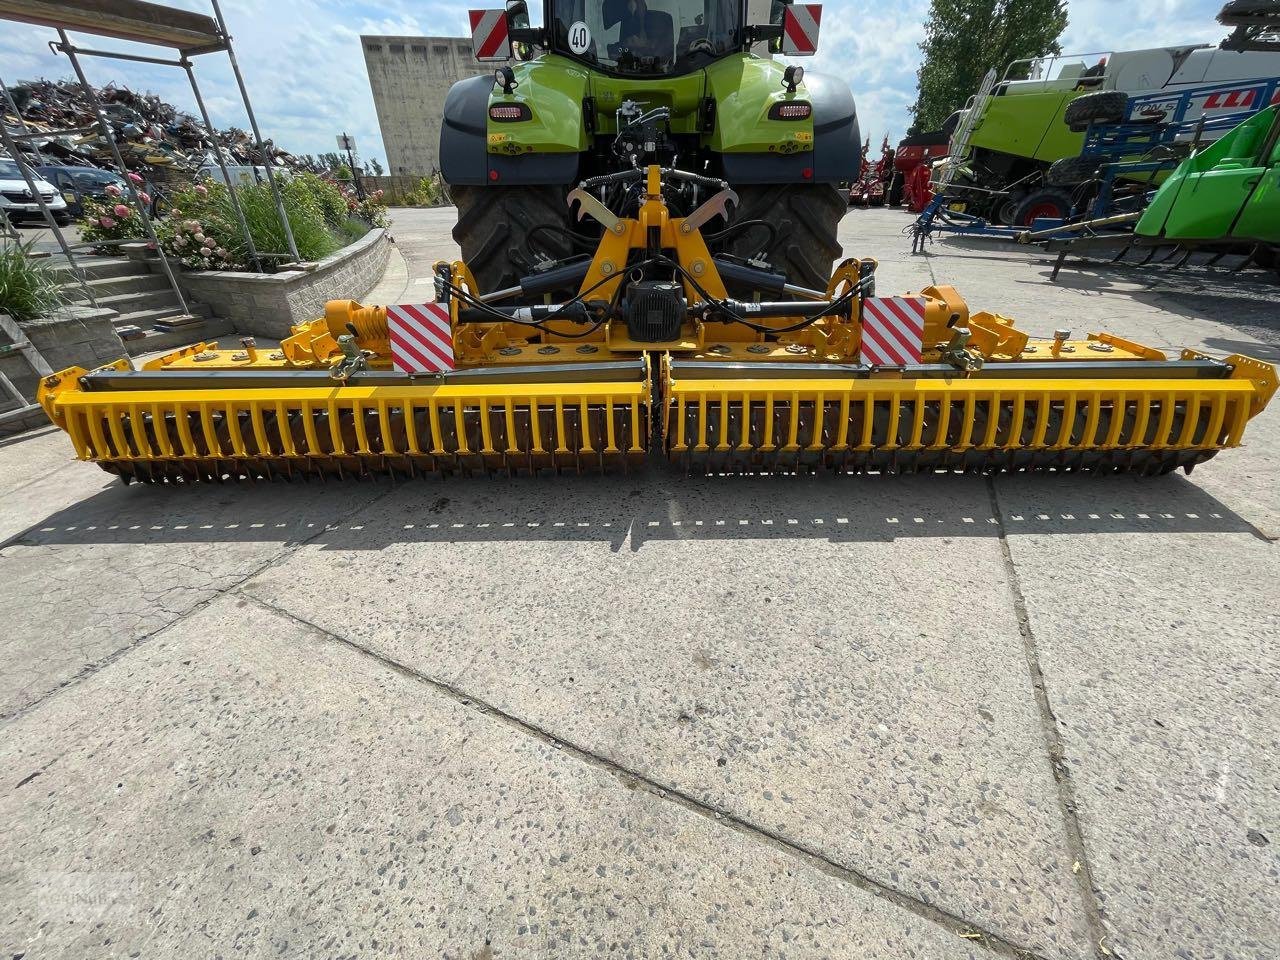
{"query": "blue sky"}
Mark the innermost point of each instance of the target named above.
(305, 71)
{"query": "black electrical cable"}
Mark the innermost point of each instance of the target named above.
(743, 225)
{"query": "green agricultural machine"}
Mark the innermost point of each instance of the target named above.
(1227, 195)
(605, 88)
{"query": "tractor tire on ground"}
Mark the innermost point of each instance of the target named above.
(1069, 171)
(1105, 106)
(498, 230)
(805, 218)
(1049, 202)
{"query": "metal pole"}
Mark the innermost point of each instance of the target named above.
(92, 96)
(355, 174)
(22, 124)
(12, 147)
(222, 164)
(257, 134)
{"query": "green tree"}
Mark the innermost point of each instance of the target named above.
(376, 165)
(966, 38)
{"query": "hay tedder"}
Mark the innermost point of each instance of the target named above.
(652, 356)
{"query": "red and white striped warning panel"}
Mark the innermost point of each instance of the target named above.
(421, 340)
(489, 37)
(892, 330)
(800, 29)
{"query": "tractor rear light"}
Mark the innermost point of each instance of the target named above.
(791, 110)
(494, 176)
(807, 173)
(510, 112)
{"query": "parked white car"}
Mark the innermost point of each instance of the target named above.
(16, 201)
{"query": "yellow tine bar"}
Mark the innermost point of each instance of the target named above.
(1190, 419)
(433, 412)
(680, 417)
(1138, 437)
(183, 418)
(233, 429)
(561, 446)
(1068, 422)
(307, 413)
(842, 430)
(335, 429)
(817, 441)
(917, 421)
(1018, 419)
(793, 425)
(116, 426)
(1042, 421)
(586, 426)
(744, 431)
(410, 428)
(1119, 410)
(702, 421)
(1240, 417)
(510, 410)
(611, 445)
(460, 427)
(101, 447)
(1217, 413)
(965, 440)
(206, 424)
(1167, 404)
(868, 421)
(259, 428)
(993, 420)
(361, 425)
(724, 422)
(895, 418)
(635, 423)
(486, 428)
(944, 423)
(287, 446)
(1089, 438)
(768, 422)
(534, 422)
(384, 427)
(75, 430)
(138, 427)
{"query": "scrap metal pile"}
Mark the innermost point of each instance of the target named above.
(653, 356)
(152, 135)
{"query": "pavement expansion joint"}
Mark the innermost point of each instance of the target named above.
(635, 779)
(92, 668)
(1053, 741)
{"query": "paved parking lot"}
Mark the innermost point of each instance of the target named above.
(929, 716)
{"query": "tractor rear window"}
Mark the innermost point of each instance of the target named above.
(647, 36)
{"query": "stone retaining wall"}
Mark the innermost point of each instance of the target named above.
(267, 305)
(75, 336)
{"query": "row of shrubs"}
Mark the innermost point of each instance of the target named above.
(200, 228)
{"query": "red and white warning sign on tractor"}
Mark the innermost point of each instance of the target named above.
(892, 330)
(800, 23)
(489, 37)
(421, 338)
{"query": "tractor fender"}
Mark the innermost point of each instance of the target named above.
(837, 143)
(464, 155)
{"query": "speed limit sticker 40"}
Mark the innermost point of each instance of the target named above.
(579, 37)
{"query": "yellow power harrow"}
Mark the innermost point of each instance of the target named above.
(652, 353)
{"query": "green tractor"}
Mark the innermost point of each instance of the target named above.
(1225, 194)
(606, 87)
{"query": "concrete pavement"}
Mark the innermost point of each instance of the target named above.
(652, 715)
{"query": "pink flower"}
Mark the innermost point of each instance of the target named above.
(201, 190)
(122, 210)
(144, 196)
(377, 194)
(222, 252)
(106, 223)
(200, 238)
(112, 190)
(209, 243)
(134, 178)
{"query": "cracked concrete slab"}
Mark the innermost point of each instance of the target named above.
(89, 580)
(1162, 663)
(759, 644)
(242, 785)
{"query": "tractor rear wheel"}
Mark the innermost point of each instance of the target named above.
(1050, 202)
(502, 230)
(1068, 171)
(803, 242)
